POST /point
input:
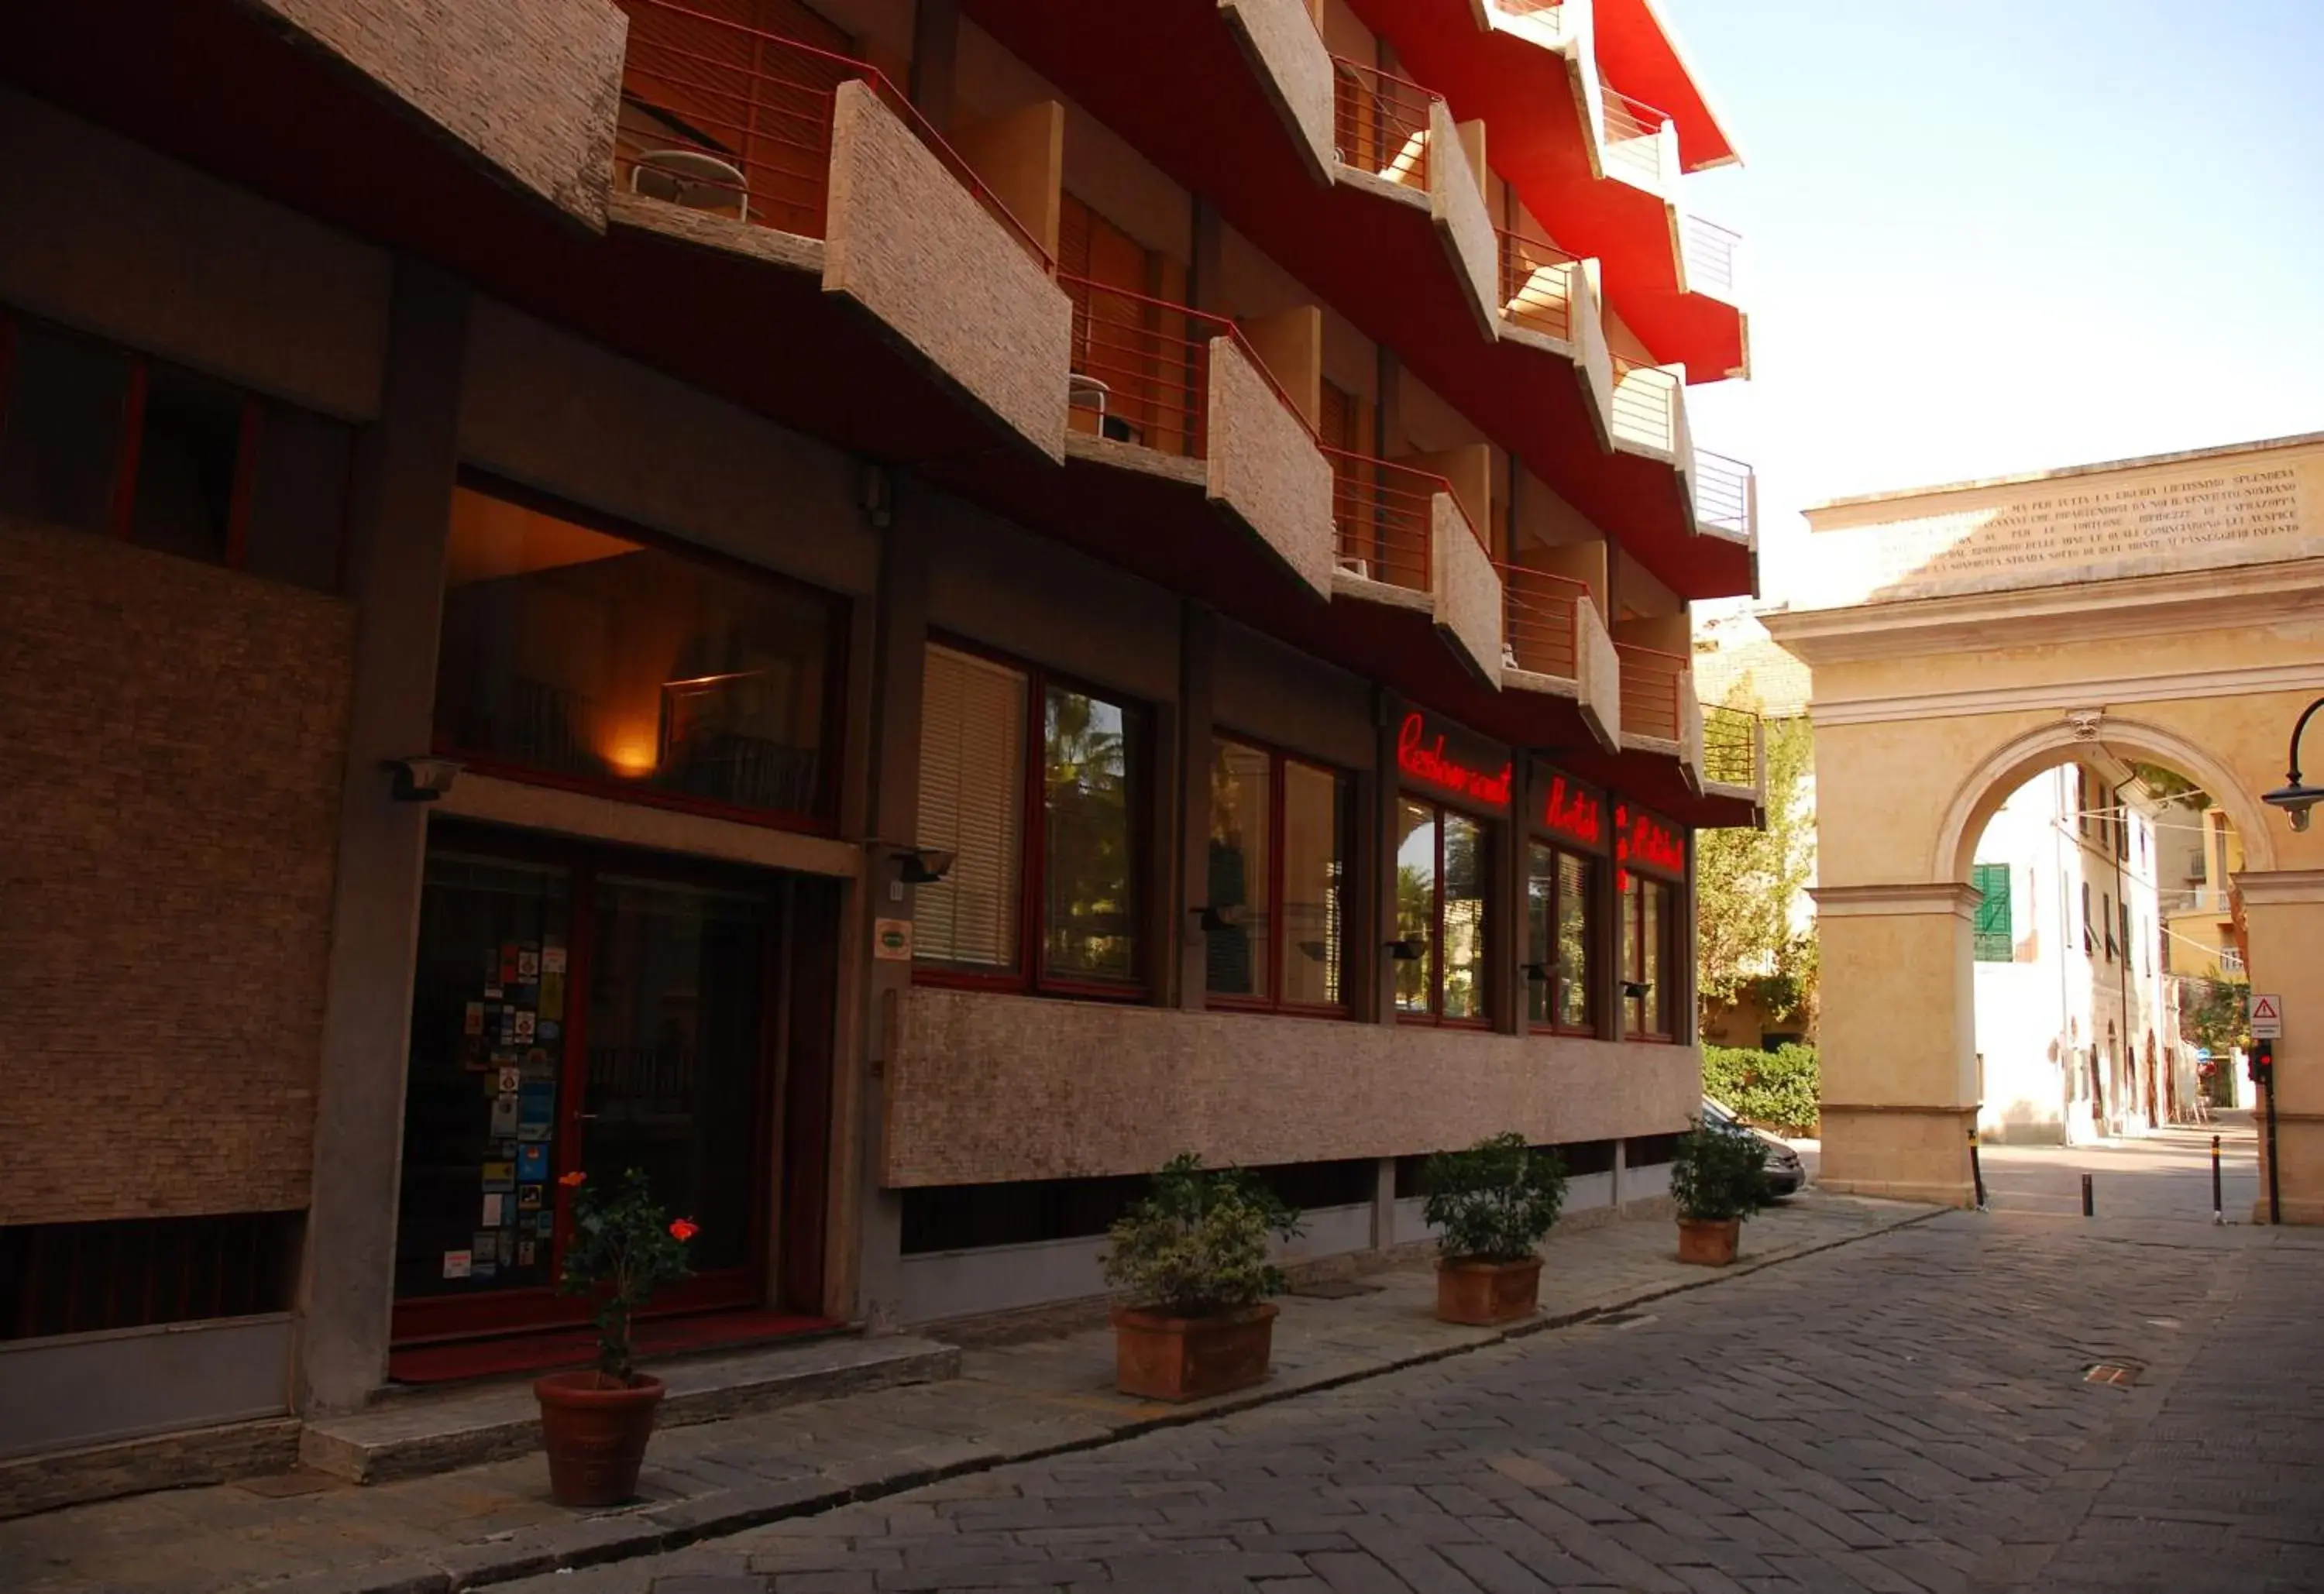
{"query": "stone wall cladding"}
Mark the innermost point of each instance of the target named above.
(1280, 39)
(173, 739)
(955, 284)
(1690, 731)
(1463, 222)
(1467, 588)
(1600, 669)
(531, 87)
(1266, 469)
(112, 238)
(138, 1466)
(1593, 356)
(986, 1089)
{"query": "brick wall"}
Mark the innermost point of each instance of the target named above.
(172, 743)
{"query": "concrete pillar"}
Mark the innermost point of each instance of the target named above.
(900, 635)
(395, 566)
(1197, 633)
(1512, 946)
(1384, 1205)
(1898, 1040)
(1382, 878)
(2284, 913)
(935, 49)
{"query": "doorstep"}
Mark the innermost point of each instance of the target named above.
(493, 1421)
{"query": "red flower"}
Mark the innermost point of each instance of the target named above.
(572, 1181)
(684, 1229)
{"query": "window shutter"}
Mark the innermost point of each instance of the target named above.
(971, 804)
(1993, 942)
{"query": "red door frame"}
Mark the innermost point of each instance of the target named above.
(428, 1319)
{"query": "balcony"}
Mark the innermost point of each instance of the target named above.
(1178, 394)
(730, 137)
(1734, 753)
(1553, 642)
(1637, 143)
(1404, 543)
(1659, 712)
(1709, 252)
(1725, 498)
(1391, 136)
(1649, 415)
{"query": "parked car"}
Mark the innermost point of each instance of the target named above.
(1785, 1172)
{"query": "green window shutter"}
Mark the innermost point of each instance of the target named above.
(1993, 942)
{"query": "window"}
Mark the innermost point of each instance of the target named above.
(1991, 938)
(2090, 940)
(1280, 830)
(1558, 893)
(2106, 922)
(1649, 967)
(1441, 870)
(99, 438)
(2122, 912)
(992, 733)
(582, 657)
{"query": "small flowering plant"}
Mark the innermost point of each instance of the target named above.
(623, 1248)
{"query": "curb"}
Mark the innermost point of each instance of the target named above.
(595, 1541)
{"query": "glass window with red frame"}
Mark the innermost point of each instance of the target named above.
(1275, 918)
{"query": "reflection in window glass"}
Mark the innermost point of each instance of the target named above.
(577, 653)
(1314, 848)
(1090, 920)
(1541, 910)
(1571, 976)
(1647, 987)
(1464, 917)
(972, 716)
(1416, 906)
(63, 412)
(1241, 809)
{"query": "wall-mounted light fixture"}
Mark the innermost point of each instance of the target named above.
(1209, 919)
(1634, 990)
(1410, 950)
(1537, 974)
(923, 866)
(422, 778)
(2295, 796)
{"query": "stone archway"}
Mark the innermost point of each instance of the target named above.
(1951, 671)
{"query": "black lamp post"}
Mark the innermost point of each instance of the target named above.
(2295, 796)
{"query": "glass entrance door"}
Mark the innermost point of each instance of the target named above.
(576, 1010)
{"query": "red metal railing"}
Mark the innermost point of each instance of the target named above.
(1650, 680)
(1537, 284)
(1384, 511)
(1725, 494)
(1711, 250)
(1548, 13)
(1380, 122)
(1537, 621)
(726, 118)
(1141, 367)
(1730, 746)
(1632, 142)
(1646, 404)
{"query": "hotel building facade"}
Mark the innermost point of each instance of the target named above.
(892, 613)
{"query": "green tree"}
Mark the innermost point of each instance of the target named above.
(2214, 1010)
(1746, 881)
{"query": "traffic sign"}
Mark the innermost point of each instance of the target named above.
(2266, 1016)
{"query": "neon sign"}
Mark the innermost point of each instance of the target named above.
(1573, 812)
(1427, 760)
(1642, 839)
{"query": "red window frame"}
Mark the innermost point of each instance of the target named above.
(1592, 933)
(1668, 988)
(835, 673)
(1029, 976)
(1280, 927)
(129, 445)
(1436, 1016)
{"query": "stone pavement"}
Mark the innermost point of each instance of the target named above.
(1029, 1399)
(1908, 1413)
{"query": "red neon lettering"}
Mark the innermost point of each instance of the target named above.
(1645, 841)
(1572, 812)
(1428, 761)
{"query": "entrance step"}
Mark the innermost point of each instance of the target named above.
(413, 1437)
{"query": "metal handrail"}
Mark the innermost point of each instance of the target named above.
(1711, 250)
(1537, 283)
(1537, 621)
(1724, 497)
(1645, 402)
(1650, 679)
(1385, 513)
(1731, 745)
(769, 129)
(1633, 135)
(1380, 122)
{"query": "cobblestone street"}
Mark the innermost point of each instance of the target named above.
(1908, 1413)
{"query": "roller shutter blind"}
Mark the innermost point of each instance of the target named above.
(972, 719)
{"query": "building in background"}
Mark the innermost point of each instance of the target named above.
(2077, 1025)
(863, 608)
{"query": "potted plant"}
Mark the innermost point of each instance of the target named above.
(1493, 1204)
(1191, 1268)
(1717, 1178)
(594, 1423)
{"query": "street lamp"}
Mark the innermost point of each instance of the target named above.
(2295, 796)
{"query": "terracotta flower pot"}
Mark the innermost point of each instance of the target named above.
(1159, 1358)
(1482, 1293)
(1710, 1241)
(596, 1433)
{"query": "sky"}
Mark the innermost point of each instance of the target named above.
(1988, 236)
